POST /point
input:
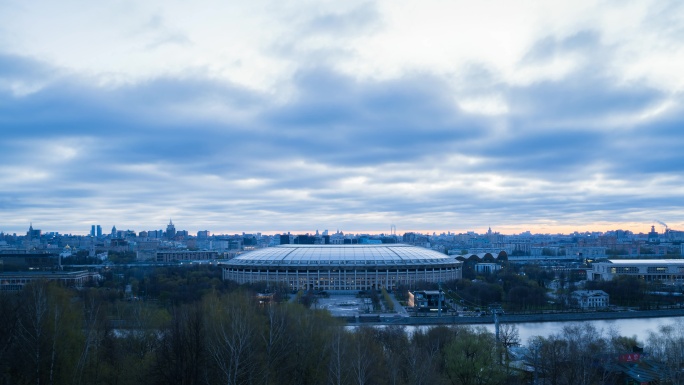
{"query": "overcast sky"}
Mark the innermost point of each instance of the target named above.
(274, 116)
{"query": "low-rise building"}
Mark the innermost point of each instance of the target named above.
(426, 300)
(169, 256)
(590, 299)
(667, 270)
(15, 281)
(487, 268)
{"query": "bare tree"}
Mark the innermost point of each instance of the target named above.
(311, 331)
(9, 322)
(232, 338)
(338, 352)
(45, 335)
(509, 336)
(584, 344)
(470, 359)
(548, 359)
(182, 350)
(90, 341)
(393, 342)
(421, 363)
(360, 357)
(667, 346)
(56, 317)
(32, 325)
(276, 341)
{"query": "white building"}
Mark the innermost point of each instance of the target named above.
(487, 268)
(590, 299)
(667, 270)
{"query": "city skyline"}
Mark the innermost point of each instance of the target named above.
(100, 231)
(269, 116)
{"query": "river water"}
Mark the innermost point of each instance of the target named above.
(632, 327)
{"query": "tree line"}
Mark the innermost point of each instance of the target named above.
(53, 335)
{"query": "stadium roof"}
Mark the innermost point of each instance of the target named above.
(343, 255)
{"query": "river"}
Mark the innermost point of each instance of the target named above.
(630, 327)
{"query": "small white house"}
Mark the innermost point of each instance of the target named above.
(590, 299)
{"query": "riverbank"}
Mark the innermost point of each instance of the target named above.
(512, 318)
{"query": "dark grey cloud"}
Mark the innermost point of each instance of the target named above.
(207, 152)
(339, 120)
(144, 115)
(585, 122)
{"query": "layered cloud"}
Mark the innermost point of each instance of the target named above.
(275, 117)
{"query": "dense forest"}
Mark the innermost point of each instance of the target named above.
(210, 332)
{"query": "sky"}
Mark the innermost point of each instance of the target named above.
(270, 115)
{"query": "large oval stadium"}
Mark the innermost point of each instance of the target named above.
(343, 267)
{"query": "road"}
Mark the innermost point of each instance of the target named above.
(431, 319)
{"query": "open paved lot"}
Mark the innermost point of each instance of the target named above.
(344, 305)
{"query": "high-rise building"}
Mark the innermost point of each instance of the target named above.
(92, 230)
(33, 233)
(170, 230)
(99, 231)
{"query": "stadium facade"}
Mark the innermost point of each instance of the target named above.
(343, 267)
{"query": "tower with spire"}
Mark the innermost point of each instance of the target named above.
(170, 230)
(32, 237)
(33, 233)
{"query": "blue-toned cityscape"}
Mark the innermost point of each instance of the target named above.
(358, 192)
(159, 245)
